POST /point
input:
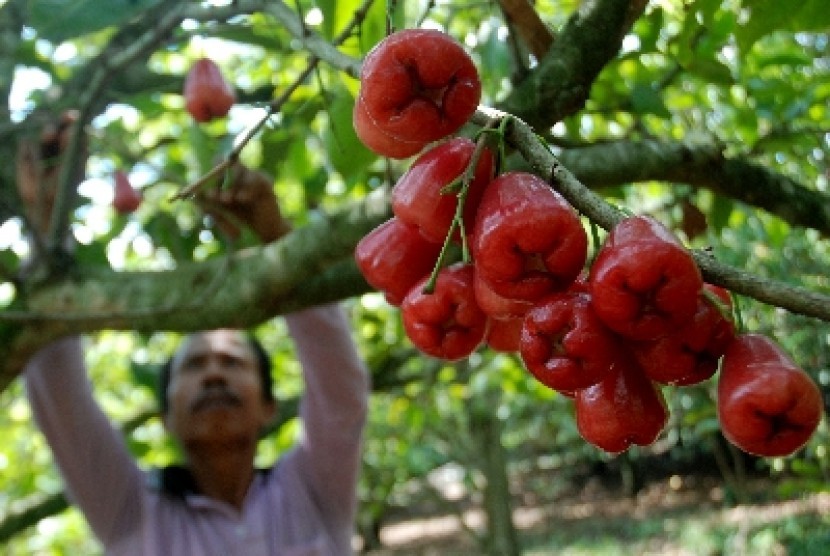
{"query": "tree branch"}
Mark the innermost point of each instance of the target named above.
(700, 165)
(14, 523)
(119, 54)
(11, 23)
(313, 43)
(560, 84)
(535, 34)
(311, 265)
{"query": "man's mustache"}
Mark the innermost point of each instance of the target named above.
(215, 395)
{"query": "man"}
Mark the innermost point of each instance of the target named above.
(215, 404)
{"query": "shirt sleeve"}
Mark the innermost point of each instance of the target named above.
(333, 408)
(100, 475)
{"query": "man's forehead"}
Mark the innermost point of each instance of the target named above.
(225, 339)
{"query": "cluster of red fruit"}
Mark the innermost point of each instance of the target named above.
(609, 337)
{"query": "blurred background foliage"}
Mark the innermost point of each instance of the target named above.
(752, 76)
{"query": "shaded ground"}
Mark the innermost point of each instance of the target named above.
(677, 516)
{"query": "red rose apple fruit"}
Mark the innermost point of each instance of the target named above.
(126, 198)
(644, 283)
(504, 335)
(527, 240)
(378, 140)
(623, 409)
(691, 354)
(393, 257)
(446, 323)
(421, 196)
(496, 306)
(565, 346)
(767, 405)
(207, 94)
(417, 86)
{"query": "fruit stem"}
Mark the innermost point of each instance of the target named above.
(722, 308)
(739, 320)
(457, 223)
(502, 133)
(595, 239)
(439, 263)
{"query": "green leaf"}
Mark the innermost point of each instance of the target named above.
(26, 55)
(59, 20)
(646, 100)
(329, 10)
(711, 70)
(269, 40)
(790, 58)
(720, 213)
(8, 259)
(145, 374)
(92, 255)
(275, 143)
(203, 145)
(648, 29)
(164, 230)
(372, 28)
(812, 15)
(707, 10)
(767, 16)
(345, 151)
(138, 448)
(494, 57)
(314, 187)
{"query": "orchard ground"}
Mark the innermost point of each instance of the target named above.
(674, 515)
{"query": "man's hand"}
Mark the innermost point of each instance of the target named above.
(247, 199)
(38, 170)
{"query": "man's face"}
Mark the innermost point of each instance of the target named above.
(215, 391)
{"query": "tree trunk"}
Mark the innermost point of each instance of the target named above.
(501, 538)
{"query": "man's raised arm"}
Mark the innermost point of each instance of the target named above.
(100, 475)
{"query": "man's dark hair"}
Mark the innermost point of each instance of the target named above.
(263, 365)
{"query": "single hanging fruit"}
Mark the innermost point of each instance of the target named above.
(691, 354)
(423, 197)
(126, 199)
(447, 323)
(394, 256)
(207, 94)
(767, 405)
(625, 408)
(527, 240)
(565, 346)
(416, 86)
(644, 283)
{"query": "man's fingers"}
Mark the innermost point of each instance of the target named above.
(245, 194)
(222, 216)
(27, 172)
(239, 192)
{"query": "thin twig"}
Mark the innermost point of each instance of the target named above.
(457, 223)
(106, 64)
(301, 32)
